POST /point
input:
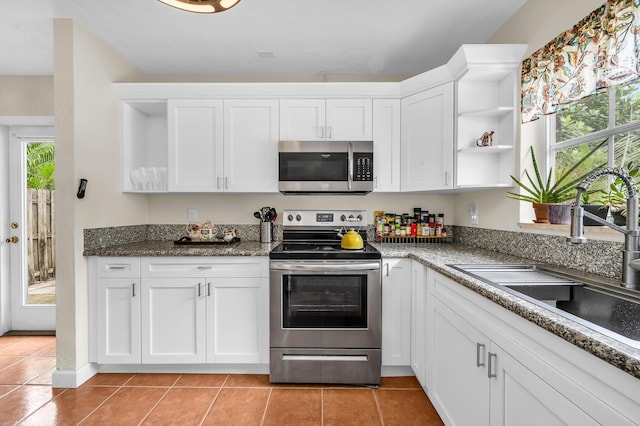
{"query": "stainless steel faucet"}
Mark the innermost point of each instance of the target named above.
(631, 253)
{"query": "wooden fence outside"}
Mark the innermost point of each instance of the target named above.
(41, 235)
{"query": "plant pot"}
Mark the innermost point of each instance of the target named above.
(619, 219)
(597, 209)
(542, 212)
(560, 214)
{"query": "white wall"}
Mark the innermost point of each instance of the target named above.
(26, 95)
(87, 132)
(536, 23)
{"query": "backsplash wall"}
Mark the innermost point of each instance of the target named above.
(596, 257)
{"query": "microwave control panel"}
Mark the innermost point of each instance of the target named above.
(363, 166)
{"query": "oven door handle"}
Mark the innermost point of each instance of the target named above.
(338, 267)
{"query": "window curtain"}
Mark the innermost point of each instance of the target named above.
(602, 50)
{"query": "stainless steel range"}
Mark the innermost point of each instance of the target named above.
(325, 317)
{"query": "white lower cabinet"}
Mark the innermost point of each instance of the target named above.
(173, 321)
(116, 332)
(180, 310)
(396, 312)
(482, 371)
(237, 320)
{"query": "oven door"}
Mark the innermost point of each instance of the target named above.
(325, 304)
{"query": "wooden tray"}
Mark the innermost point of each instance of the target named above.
(187, 242)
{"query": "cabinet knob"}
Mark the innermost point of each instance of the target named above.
(12, 240)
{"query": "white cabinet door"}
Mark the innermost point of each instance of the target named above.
(173, 320)
(396, 312)
(195, 142)
(302, 119)
(519, 397)
(349, 120)
(427, 140)
(459, 386)
(251, 131)
(386, 145)
(419, 322)
(118, 320)
(331, 119)
(237, 320)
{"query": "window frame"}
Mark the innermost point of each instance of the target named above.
(610, 133)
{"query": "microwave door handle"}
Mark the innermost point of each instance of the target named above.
(350, 156)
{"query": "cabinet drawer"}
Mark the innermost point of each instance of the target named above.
(118, 267)
(173, 267)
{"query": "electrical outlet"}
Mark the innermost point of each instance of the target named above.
(192, 215)
(473, 213)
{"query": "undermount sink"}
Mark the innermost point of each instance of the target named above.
(605, 308)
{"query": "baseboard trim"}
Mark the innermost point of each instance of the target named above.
(73, 378)
(396, 370)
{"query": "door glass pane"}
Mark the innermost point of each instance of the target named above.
(40, 223)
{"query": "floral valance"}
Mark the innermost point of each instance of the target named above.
(602, 50)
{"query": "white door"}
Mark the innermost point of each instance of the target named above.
(31, 234)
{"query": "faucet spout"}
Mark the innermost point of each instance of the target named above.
(631, 253)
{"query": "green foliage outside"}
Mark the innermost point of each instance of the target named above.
(591, 115)
(41, 166)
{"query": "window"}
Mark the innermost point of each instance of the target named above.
(612, 115)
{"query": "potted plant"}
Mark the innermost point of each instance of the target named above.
(542, 193)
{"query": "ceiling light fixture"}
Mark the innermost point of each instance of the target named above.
(202, 6)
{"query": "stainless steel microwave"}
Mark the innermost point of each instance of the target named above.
(325, 167)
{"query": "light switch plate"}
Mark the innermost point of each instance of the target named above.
(473, 213)
(192, 215)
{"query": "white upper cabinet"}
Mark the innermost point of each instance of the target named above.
(386, 145)
(330, 119)
(195, 145)
(427, 140)
(251, 132)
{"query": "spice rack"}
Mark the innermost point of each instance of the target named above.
(413, 239)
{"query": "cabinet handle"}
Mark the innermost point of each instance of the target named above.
(218, 182)
(202, 268)
(321, 132)
(446, 178)
(479, 348)
(133, 289)
(199, 289)
(209, 289)
(328, 132)
(490, 373)
(226, 183)
(116, 268)
(387, 266)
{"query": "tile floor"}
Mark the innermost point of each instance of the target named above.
(26, 397)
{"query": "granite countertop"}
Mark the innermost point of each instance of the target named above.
(168, 248)
(437, 256)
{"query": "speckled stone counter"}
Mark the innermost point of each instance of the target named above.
(438, 256)
(167, 248)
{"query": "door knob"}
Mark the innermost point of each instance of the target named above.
(14, 225)
(13, 240)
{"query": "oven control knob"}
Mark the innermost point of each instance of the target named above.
(290, 218)
(298, 217)
(343, 218)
